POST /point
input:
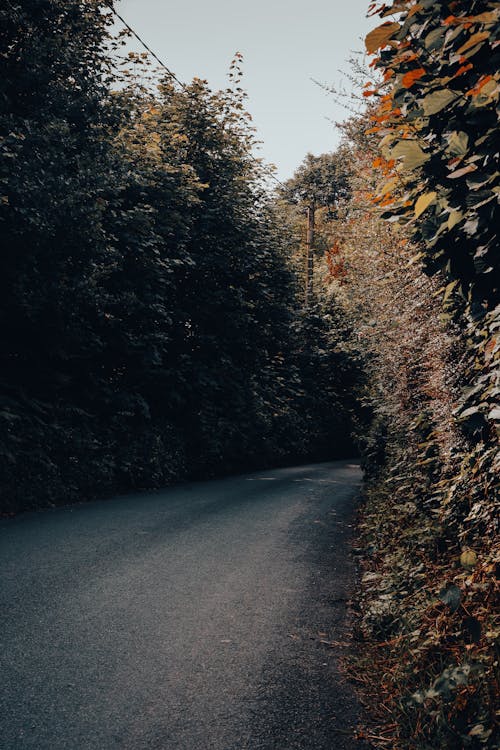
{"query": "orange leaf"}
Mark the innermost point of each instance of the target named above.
(487, 17)
(413, 75)
(479, 85)
(408, 56)
(463, 69)
(388, 200)
(414, 10)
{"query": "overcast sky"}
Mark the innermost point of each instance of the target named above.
(285, 43)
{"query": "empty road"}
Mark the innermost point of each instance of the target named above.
(194, 618)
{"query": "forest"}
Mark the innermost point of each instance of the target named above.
(170, 312)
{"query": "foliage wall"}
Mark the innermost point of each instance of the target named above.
(420, 246)
(151, 324)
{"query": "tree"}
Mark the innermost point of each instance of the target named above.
(149, 313)
(322, 180)
(54, 165)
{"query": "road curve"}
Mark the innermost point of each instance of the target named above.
(194, 618)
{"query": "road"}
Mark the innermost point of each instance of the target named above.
(195, 618)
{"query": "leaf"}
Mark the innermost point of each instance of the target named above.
(470, 227)
(438, 100)
(413, 75)
(463, 69)
(389, 186)
(380, 36)
(454, 218)
(434, 37)
(487, 17)
(489, 92)
(451, 596)
(449, 680)
(458, 142)
(449, 289)
(462, 171)
(401, 8)
(424, 202)
(479, 730)
(480, 85)
(473, 40)
(411, 152)
(470, 412)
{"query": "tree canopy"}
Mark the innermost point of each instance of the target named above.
(151, 320)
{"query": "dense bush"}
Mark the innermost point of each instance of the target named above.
(150, 319)
(429, 162)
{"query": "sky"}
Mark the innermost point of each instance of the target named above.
(285, 44)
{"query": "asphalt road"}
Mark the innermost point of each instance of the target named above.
(195, 618)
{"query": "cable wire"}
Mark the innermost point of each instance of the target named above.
(146, 47)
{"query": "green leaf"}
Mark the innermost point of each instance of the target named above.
(433, 39)
(454, 218)
(411, 153)
(450, 288)
(438, 100)
(458, 142)
(424, 202)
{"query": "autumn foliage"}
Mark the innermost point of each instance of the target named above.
(431, 583)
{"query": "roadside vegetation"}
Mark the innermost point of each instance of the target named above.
(410, 256)
(152, 325)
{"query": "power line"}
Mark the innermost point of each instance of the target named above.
(180, 83)
(146, 47)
